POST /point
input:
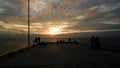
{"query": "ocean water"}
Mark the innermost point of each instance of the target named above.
(11, 44)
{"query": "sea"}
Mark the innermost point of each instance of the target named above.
(12, 44)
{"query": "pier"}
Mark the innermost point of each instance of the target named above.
(65, 55)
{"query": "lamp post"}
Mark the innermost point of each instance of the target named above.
(28, 23)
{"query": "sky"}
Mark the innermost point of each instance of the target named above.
(59, 16)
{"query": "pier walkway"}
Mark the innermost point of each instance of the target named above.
(63, 56)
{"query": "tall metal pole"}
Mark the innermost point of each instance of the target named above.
(28, 23)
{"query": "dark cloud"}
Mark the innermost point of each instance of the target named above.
(94, 26)
(11, 8)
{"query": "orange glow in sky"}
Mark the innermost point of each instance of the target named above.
(54, 31)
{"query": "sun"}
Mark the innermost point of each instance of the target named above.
(54, 30)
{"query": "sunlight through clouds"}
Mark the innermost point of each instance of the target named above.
(70, 16)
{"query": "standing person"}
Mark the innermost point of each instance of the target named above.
(38, 40)
(97, 43)
(69, 39)
(35, 41)
(92, 42)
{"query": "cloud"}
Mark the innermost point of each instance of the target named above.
(110, 23)
(81, 15)
(47, 10)
(1, 22)
(13, 27)
(77, 2)
(12, 9)
(64, 3)
(2, 10)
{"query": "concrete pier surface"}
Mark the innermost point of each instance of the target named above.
(63, 56)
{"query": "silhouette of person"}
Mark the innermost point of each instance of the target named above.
(38, 39)
(63, 41)
(60, 41)
(69, 39)
(57, 41)
(75, 41)
(35, 41)
(92, 41)
(97, 43)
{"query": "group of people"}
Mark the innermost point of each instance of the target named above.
(36, 41)
(95, 43)
(69, 41)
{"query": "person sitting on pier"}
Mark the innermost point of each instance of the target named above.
(75, 41)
